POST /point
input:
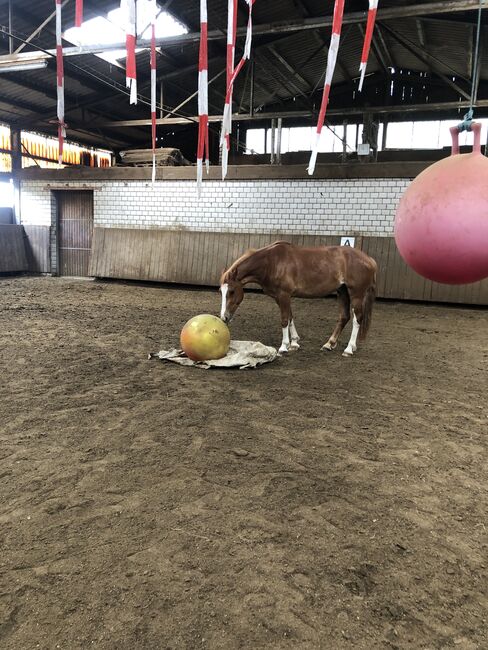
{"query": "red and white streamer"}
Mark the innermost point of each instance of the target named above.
(153, 87)
(79, 13)
(60, 82)
(373, 8)
(202, 149)
(231, 49)
(130, 11)
(227, 118)
(329, 74)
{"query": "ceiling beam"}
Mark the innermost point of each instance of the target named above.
(282, 27)
(39, 28)
(287, 84)
(390, 60)
(421, 32)
(291, 69)
(359, 110)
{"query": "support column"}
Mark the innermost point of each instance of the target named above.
(273, 133)
(16, 155)
(385, 131)
(370, 134)
(278, 141)
(10, 39)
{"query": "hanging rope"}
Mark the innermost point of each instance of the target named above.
(79, 13)
(227, 118)
(373, 8)
(231, 48)
(465, 125)
(129, 9)
(202, 147)
(154, 13)
(60, 82)
(329, 73)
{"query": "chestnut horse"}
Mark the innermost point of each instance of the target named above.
(283, 270)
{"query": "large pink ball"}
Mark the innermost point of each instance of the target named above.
(441, 225)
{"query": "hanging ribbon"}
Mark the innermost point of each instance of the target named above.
(373, 8)
(329, 74)
(231, 48)
(202, 150)
(231, 77)
(153, 88)
(79, 13)
(60, 82)
(130, 11)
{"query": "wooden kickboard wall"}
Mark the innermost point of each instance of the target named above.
(198, 258)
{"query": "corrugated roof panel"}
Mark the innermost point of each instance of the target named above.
(288, 67)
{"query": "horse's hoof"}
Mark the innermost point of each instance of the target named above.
(328, 347)
(283, 350)
(347, 354)
(294, 346)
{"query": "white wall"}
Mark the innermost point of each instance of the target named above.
(363, 206)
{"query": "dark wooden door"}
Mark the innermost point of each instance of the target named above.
(75, 231)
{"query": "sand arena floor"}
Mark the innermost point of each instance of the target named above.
(318, 502)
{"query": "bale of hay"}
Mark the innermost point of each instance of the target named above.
(165, 157)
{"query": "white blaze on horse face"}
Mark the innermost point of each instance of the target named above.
(351, 346)
(285, 343)
(223, 290)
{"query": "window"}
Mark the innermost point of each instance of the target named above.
(400, 135)
(6, 194)
(426, 135)
(110, 30)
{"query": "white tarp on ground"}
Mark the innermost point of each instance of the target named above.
(242, 355)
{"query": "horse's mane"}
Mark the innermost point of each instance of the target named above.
(233, 268)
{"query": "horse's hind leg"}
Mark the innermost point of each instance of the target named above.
(344, 317)
(294, 345)
(357, 317)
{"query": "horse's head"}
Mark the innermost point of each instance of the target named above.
(232, 294)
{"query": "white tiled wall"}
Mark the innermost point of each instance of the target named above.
(363, 206)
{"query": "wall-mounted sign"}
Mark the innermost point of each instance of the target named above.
(348, 241)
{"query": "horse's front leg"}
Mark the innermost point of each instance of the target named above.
(284, 301)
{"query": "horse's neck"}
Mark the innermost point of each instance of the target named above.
(251, 270)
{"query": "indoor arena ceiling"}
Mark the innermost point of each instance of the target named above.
(422, 55)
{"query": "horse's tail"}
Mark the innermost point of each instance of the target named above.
(368, 303)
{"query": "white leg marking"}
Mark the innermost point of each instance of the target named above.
(294, 336)
(351, 346)
(223, 290)
(285, 343)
